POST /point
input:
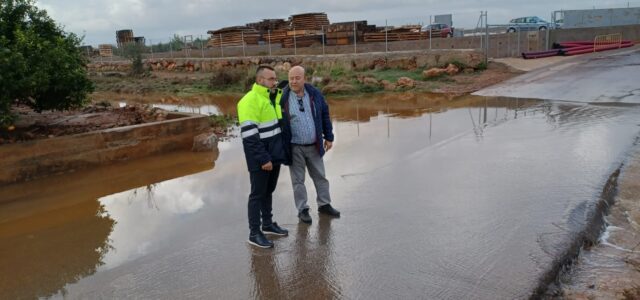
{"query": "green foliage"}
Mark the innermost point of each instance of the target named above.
(222, 121)
(392, 75)
(134, 53)
(457, 63)
(229, 79)
(363, 88)
(337, 72)
(40, 64)
(481, 66)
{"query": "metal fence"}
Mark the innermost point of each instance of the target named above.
(496, 41)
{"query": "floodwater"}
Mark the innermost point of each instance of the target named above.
(441, 198)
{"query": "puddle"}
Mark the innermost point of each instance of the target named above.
(441, 198)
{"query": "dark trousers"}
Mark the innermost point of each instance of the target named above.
(263, 183)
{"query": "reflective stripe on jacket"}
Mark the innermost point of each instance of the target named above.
(259, 115)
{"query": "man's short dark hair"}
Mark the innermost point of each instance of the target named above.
(263, 67)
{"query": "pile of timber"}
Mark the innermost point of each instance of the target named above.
(342, 33)
(406, 28)
(404, 33)
(124, 37)
(276, 36)
(269, 25)
(272, 30)
(233, 36)
(305, 30)
(302, 40)
(309, 21)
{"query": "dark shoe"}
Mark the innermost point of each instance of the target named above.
(304, 216)
(259, 240)
(328, 210)
(275, 230)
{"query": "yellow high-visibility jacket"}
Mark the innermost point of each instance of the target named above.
(259, 115)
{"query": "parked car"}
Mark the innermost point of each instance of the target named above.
(529, 24)
(439, 29)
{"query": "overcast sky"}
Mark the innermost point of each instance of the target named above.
(158, 20)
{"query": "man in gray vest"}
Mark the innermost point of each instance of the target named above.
(307, 127)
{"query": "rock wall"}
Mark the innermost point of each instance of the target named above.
(402, 60)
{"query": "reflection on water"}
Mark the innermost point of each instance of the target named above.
(54, 231)
(307, 271)
(42, 252)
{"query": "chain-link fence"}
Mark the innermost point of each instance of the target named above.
(495, 40)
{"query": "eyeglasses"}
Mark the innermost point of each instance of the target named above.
(300, 104)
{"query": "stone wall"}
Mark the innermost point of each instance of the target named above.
(39, 158)
(402, 59)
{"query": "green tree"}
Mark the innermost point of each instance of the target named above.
(40, 64)
(134, 52)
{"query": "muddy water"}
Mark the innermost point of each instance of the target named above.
(441, 198)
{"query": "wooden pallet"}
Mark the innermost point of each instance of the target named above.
(372, 37)
(302, 41)
(303, 32)
(309, 21)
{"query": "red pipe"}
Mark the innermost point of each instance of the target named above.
(574, 51)
(577, 47)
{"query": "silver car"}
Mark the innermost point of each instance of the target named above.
(529, 24)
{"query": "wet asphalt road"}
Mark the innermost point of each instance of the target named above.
(441, 199)
(604, 77)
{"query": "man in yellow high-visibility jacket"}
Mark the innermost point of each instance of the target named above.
(259, 114)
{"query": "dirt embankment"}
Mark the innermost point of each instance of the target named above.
(32, 125)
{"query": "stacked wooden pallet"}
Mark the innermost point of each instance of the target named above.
(124, 37)
(276, 36)
(305, 30)
(233, 36)
(269, 25)
(310, 21)
(302, 41)
(272, 30)
(373, 37)
(342, 33)
(404, 33)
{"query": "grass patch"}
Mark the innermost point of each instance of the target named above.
(392, 75)
(222, 121)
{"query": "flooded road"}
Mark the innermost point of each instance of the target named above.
(605, 77)
(441, 198)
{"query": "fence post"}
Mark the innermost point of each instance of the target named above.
(269, 35)
(202, 46)
(386, 36)
(518, 30)
(486, 25)
(243, 44)
(151, 42)
(430, 30)
(355, 42)
(171, 47)
(322, 39)
(221, 50)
